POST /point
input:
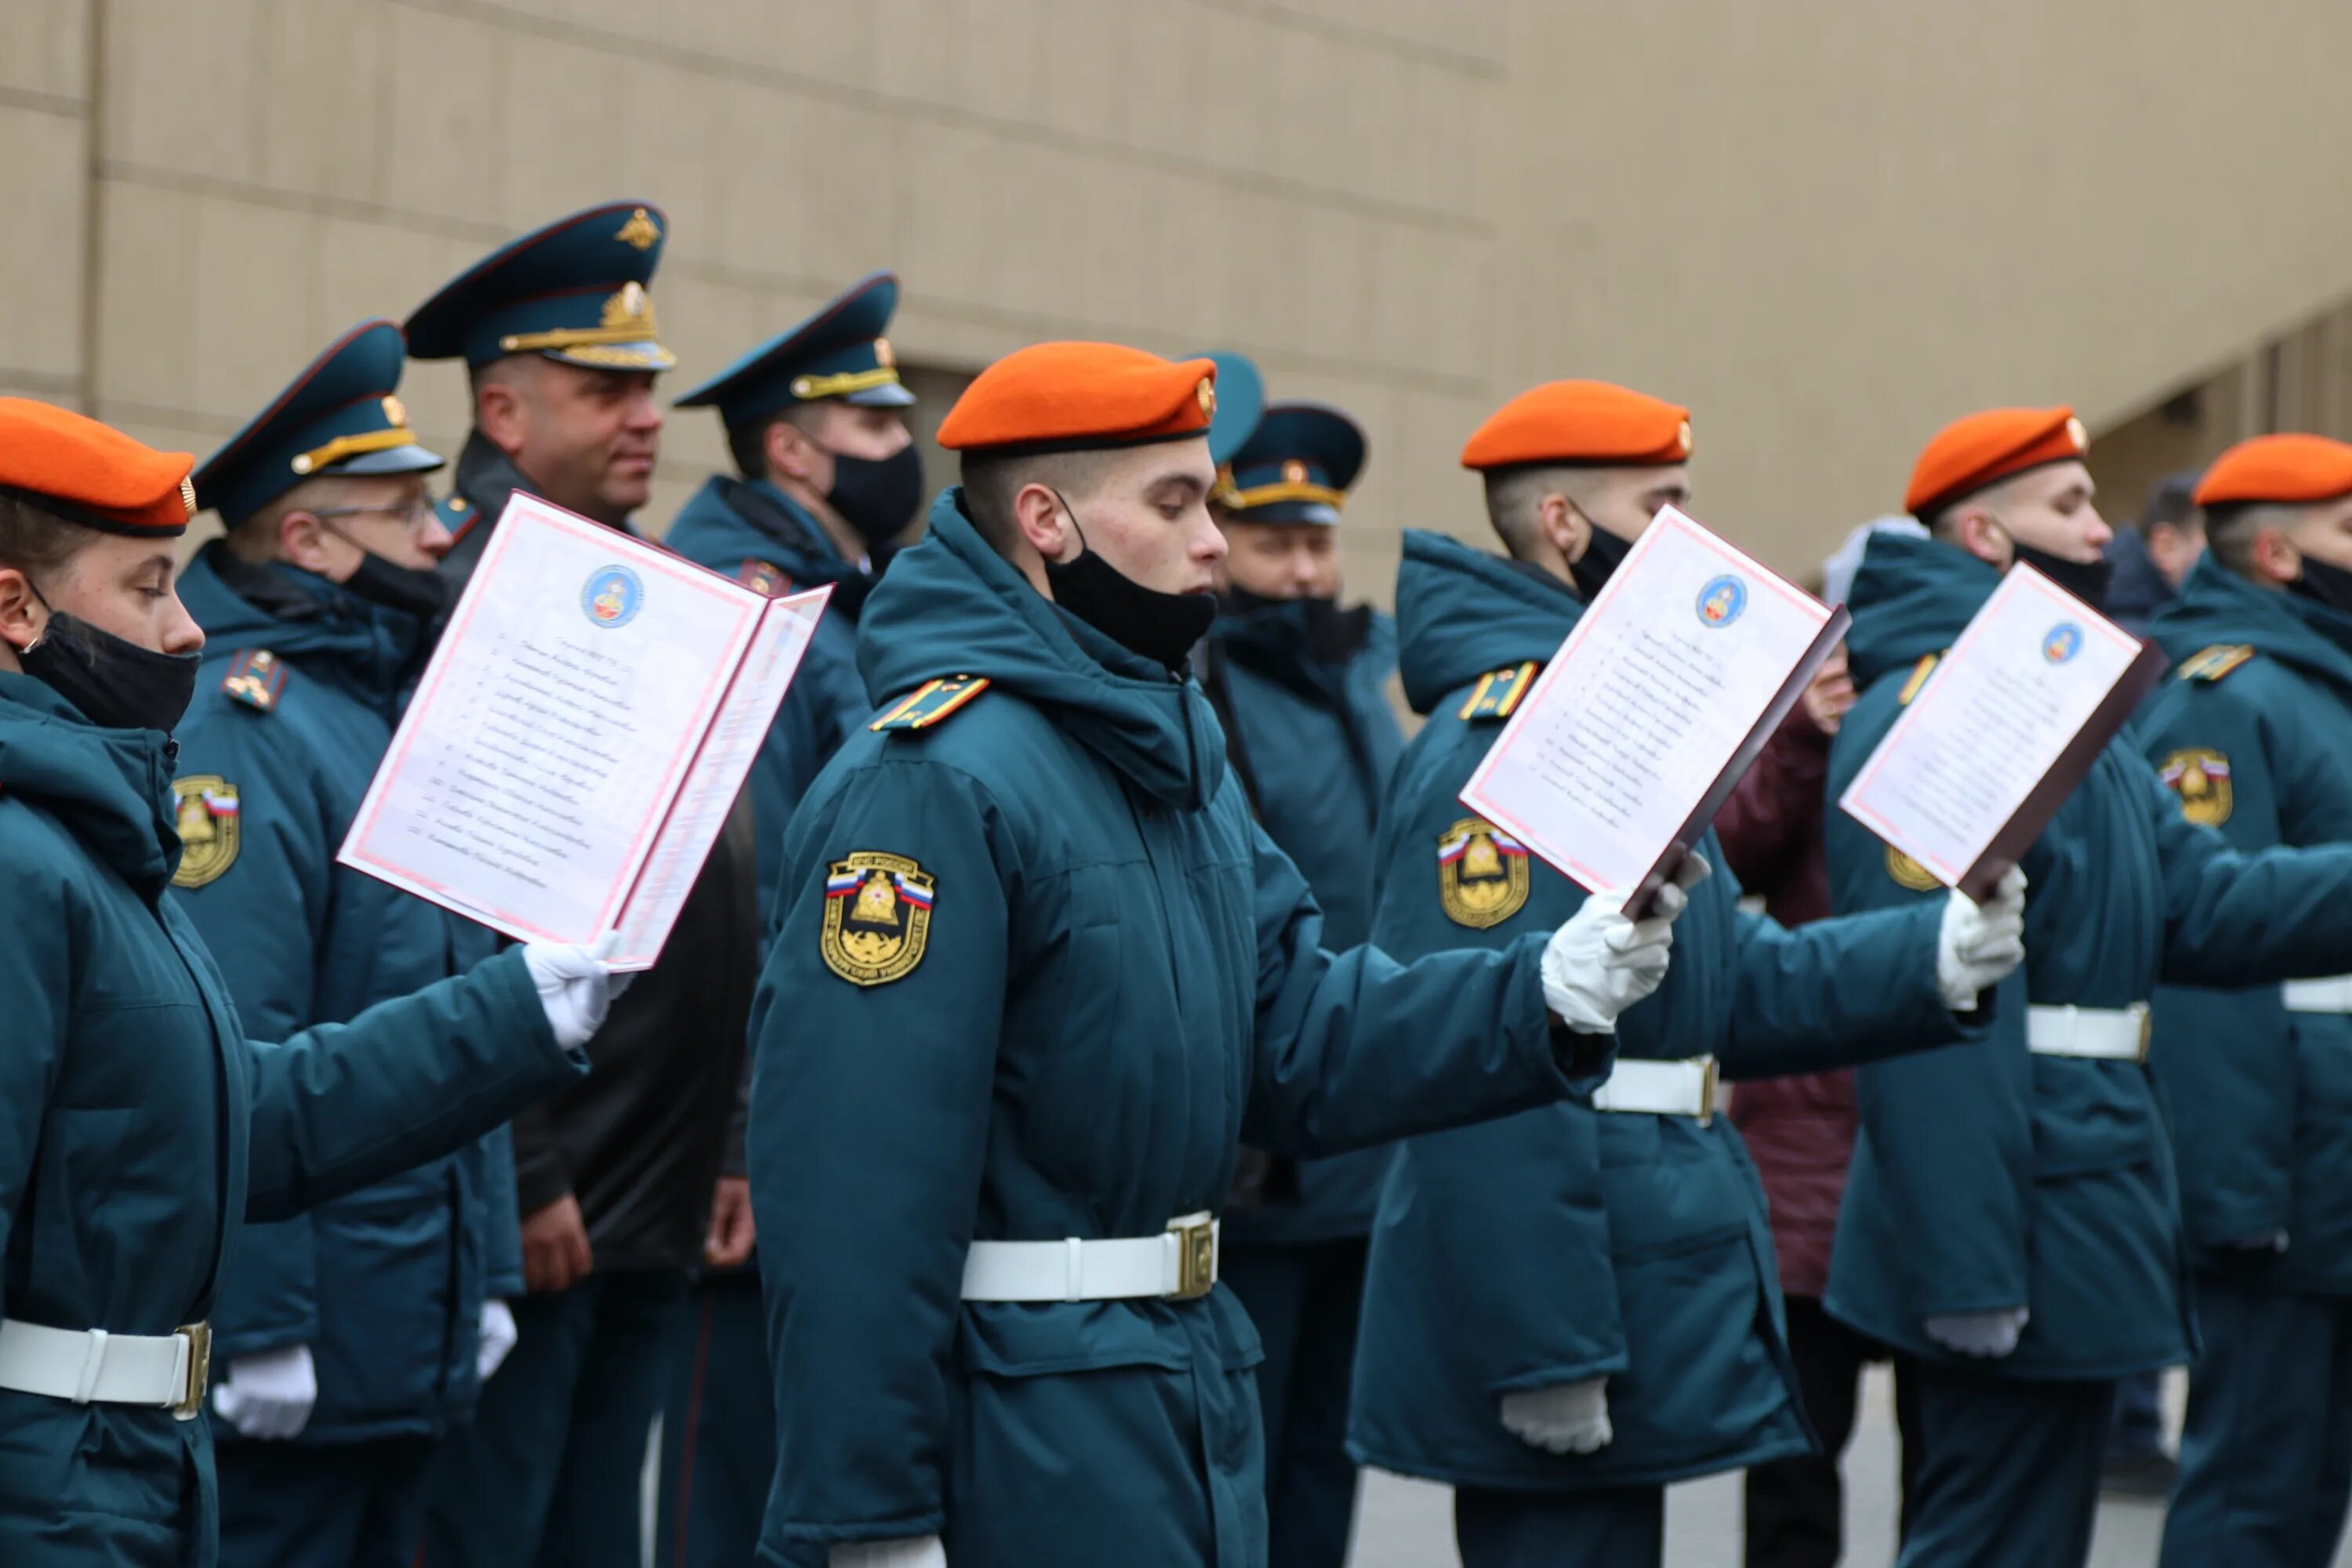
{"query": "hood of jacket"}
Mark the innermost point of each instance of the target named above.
(109, 787)
(334, 634)
(2137, 590)
(2217, 606)
(1910, 598)
(755, 520)
(951, 605)
(1462, 612)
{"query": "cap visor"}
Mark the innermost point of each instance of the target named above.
(396, 460)
(616, 356)
(889, 395)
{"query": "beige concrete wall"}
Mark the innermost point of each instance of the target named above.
(1827, 225)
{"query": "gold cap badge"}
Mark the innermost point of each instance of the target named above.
(1207, 393)
(1683, 439)
(2076, 436)
(640, 231)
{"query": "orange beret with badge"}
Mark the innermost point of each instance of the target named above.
(1984, 448)
(1077, 396)
(2290, 469)
(93, 473)
(1592, 422)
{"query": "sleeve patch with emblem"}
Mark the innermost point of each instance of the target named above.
(877, 917)
(1909, 873)
(1482, 874)
(205, 809)
(2199, 775)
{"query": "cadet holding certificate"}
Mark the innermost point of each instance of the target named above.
(2012, 1219)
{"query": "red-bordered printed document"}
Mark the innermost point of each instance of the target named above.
(585, 724)
(2005, 726)
(1645, 719)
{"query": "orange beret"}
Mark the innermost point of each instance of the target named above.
(1582, 422)
(92, 473)
(1065, 398)
(1982, 449)
(2286, 469)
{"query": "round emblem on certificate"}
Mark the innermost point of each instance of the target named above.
(2063, 642)
(612, 596)
(1721, 602)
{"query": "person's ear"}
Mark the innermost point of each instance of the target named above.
(500, 414)
(301, 541)
(2275, 556)
(1043, 520)
(787, 449)
(1982, 536)
(21, 616)
(1565, 527)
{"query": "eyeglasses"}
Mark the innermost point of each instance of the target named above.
(417, 513)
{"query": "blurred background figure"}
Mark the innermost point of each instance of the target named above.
(2151, 559)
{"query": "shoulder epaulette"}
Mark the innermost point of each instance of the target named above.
(1499, 691)
(2213, 663)
(762, 577)
(256, 677)
(457, 514)
(931, 703)
(1918, 678)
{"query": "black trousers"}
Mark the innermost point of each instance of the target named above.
(1306, 1300)
(1796, 1508)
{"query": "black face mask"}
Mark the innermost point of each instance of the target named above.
(1332, 634)
(2086, 580)
(1162, 627)
(1603, 553)
(878, 496)
(2325, 584)
(117, 685)
(421, 593)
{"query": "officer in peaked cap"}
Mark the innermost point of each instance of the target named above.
(827, 477)
(561, 347)
(616, 1179)
(1300, 686)
(353, 1337)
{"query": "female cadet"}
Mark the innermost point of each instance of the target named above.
(139, 1128)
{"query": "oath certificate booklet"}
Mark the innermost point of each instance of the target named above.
(1661, 699)
(576, 742)
(2000, 733)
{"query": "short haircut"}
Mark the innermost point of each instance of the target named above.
(1514, 501)
(255, 537)
(990, 480)
(2171, 503)
(2232, 528)
(747, 443)
(35, 539)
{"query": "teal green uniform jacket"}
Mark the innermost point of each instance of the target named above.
(140, 1129)
(752, 531)
(1566, 1244)
(1319, 741)
(385, 1286)
(2257, 741)
(1994, 1179)
(1068, 976)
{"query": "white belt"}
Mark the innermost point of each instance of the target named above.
(87, 1365)
(1180, 1263)
(1660, 1088)
(2333, 995)
(2103, 1033)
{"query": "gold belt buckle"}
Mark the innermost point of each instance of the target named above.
(200, 1370)
(1706, 1092)
(1196, 1257)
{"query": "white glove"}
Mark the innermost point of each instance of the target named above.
(1600, 962)
(574, 986)
(498, 1335)
(922, 1552)
(1567, 1418)
(1979, 1333)
(269, 1394)
(1981, 944)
